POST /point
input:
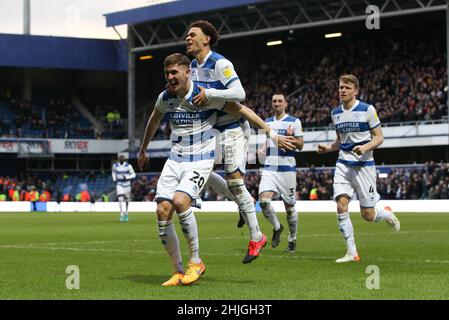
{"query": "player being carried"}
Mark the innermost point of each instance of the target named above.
(217, 79)
(358, 134)
(279, 172)
(122, 174)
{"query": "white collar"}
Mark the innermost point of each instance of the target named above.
(286, 115)
(205, 59)
(352, 108)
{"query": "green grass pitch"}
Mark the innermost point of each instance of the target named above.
(127, 260)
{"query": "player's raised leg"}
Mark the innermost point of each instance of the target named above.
(246, 204)
(378, 214)
(365, 184)
(234, 152)
(217, 183)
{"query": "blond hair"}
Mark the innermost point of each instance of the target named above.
(351, 79)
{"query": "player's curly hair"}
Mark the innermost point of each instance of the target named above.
(208, 29)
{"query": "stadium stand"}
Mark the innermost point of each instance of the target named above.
(58, 185)
(144, 187)
(418, 181)
(51, 115)
(405, 78)
(108, 108)
(43, 118)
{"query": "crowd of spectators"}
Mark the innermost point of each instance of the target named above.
(113, 124)
(54, 118)
(404, 78)
(38, 188)
(144, 188)
(429, 181)
(25, 188)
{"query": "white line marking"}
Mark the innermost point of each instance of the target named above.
(276, 256)
(244, 238)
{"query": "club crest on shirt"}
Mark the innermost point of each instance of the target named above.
(227, 72)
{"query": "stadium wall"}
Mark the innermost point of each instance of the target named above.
(420, 206)
(395, 137)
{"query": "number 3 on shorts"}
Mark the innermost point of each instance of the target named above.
(196, 179)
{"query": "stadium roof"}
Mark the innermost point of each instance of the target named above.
(62, 53)
(164, 25)
(171, 9)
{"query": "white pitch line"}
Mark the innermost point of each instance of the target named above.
(300, 235)
(381, 259)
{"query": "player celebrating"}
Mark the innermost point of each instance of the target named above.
(358, 134)
(279, 173)
(122, 174)
(191, 160)
(217, 79)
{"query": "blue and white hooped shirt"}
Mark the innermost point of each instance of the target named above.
(353, 126)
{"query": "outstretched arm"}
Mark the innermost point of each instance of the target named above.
(152, 125)
(280, 141)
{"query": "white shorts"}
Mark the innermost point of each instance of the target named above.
(187, 177)
(362, 180)
(246, 129)
(281, 183)
(124, 191)
(233, 150)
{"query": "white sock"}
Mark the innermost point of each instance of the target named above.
(219, 185)
(347, 230)
(190, 230)
(292, 219)
(120, 203)
(246, 204)
(382, 214)
(169, 238)
(270, 214)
